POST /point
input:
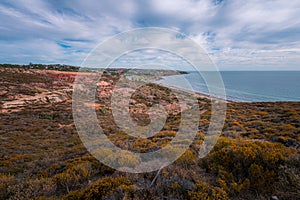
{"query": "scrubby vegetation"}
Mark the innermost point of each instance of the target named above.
(58, 67)
(42, 156)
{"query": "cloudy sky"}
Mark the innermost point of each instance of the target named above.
(238, 35)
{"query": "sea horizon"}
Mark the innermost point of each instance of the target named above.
(246, 86)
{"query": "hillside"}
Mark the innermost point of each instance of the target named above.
(42, 156)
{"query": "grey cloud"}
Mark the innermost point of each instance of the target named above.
(230, 30)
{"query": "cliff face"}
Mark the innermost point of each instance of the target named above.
(21, 87)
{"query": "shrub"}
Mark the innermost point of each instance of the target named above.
(143, 145)
(187, 159)
(31, 188)
(102, 188)
(5, 182)
(73, 177)
(206, 192)
(242, 164)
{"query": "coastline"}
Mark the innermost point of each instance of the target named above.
(199, 94)
(242, 87)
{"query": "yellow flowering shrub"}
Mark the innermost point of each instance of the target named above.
(241, 164)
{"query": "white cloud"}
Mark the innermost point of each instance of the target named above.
(237, 34)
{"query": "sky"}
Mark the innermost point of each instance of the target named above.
(237, 35)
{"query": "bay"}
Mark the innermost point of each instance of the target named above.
(246, 86)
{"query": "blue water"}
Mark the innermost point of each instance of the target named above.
(247, 86)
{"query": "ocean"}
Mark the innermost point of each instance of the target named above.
(246, 86)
